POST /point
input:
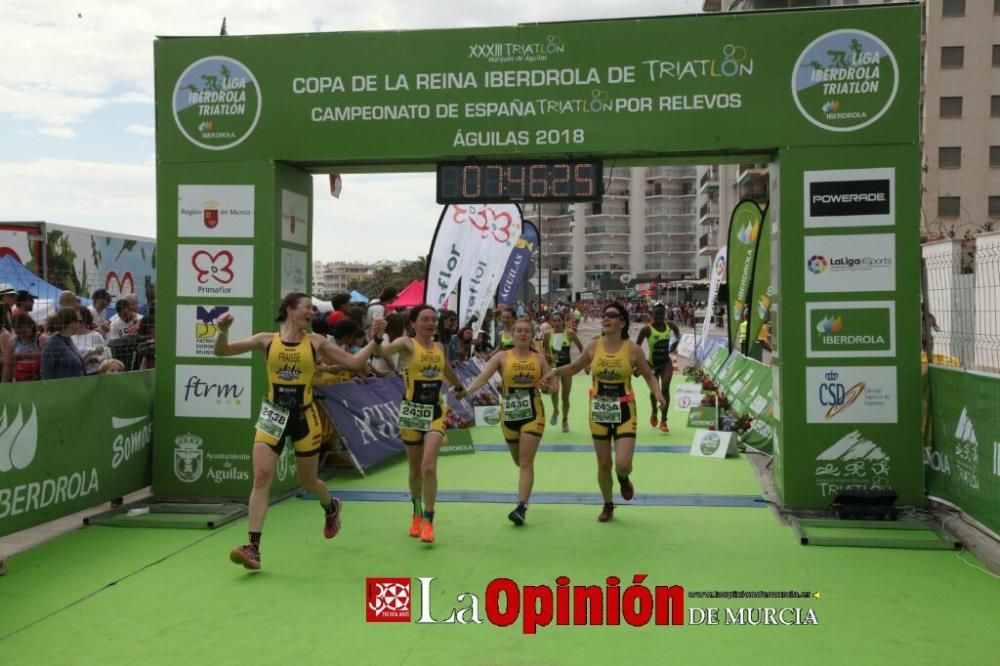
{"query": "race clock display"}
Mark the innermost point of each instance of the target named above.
(507, 181)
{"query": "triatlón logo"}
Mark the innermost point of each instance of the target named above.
(967, 451)
(852, 462)
(965, 431)
(853, 447)
(18, 439)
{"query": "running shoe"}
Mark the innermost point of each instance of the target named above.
(247, 555)
(517, 516)
(565, 426)
(427, 531)
(607, 513)
(664, 427)
(555, 417)
(415, 526)
(627, 489)
(652, 420)
(332, 524)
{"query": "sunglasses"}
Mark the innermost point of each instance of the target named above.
(610, 315)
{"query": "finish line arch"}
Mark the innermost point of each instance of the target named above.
(830, 97)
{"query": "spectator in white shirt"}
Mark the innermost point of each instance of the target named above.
(125, 322)
(90, 343)
(99, 310)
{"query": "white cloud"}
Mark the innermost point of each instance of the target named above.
(96, 195)
(141, 130)
(58, 132)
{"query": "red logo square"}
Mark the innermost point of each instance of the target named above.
(387, 599)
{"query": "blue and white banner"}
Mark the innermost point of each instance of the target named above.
(517, 265)
(367, 417)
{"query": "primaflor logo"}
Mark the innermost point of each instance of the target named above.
(217, 103)
(845, 80)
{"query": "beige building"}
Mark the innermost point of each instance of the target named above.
(960, 193)
(334, 276)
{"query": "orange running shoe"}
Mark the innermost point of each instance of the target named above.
(247, 555)
(664, 427)
(415, 526)
(427, 531)
(652, 420)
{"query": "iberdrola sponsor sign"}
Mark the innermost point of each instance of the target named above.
(762, 291)
(744, 233)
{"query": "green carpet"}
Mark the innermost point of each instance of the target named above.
(110, 596)
(877, 606)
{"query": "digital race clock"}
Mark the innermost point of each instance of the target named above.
(519, 180)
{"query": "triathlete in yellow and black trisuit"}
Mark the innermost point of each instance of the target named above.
(611, 358)
(557, 350)
(290, 370)
(663, 336)
(423, 374)
(523, 422)
(421, 413)
(289, 410)
(522, 403)
(612, 401)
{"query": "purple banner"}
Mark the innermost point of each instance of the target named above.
(367, 417)
(517, 264)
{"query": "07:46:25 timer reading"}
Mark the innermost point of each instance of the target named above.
(518, 181)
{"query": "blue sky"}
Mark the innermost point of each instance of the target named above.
(77, 141)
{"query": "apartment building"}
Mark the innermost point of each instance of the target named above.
(960, 193)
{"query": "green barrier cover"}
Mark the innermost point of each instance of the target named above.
(963, 463)
(701, 417)
(69, 444)
(715, 361)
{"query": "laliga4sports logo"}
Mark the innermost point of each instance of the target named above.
(817, 264)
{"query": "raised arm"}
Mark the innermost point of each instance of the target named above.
(225, 347)
(576, 340)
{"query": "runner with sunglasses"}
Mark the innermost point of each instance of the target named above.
(611, 358)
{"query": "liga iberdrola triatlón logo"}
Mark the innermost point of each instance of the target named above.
(845, 80)
(216, 103)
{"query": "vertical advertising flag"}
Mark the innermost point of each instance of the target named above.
(762, 292)
(718, 273)
(517, 265)
(468, 241)
(744, 232)
(498, 227)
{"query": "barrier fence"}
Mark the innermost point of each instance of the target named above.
(68, 444)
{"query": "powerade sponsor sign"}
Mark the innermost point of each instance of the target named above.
(849, 197)
(851, 329)
(864, 262)
(845, 80)
(851, 395)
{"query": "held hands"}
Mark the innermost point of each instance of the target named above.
(461, 393)
(661, 401)
(377, 329)
(224, 322)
